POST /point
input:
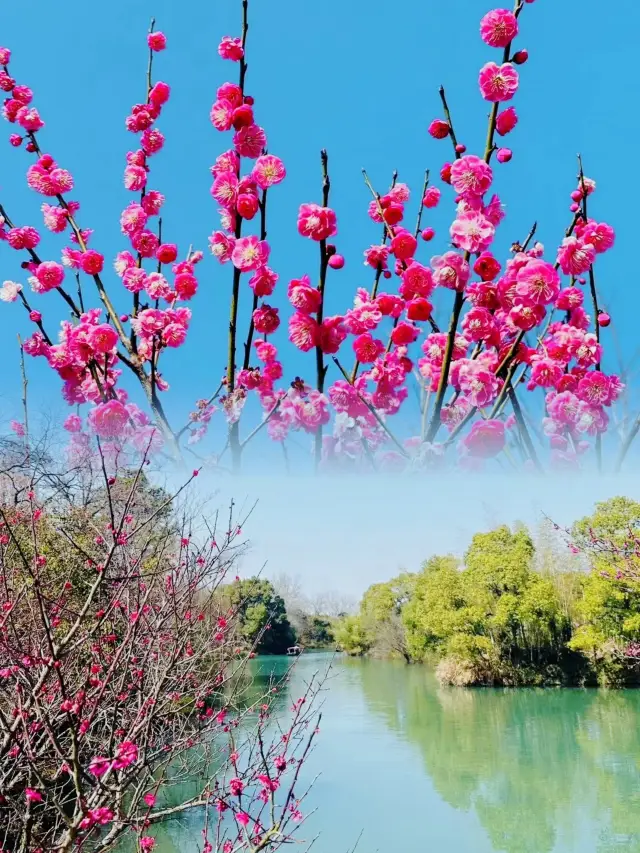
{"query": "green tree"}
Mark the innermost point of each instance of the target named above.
(315, 632)
(612, 520)
(436, 608)
(608, 610)
(381, 614)
(493, 620)
(352, 636)
(263, 616)
(508, 615)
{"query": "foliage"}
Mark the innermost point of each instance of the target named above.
(613, 521)
(316, 632)
(378, 628)
(381, 610)
(609, 608)
(505, 617)
(438, 588)
(264, 623)
(352, 637)
(313, 619)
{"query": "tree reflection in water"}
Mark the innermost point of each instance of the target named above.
(536, 766)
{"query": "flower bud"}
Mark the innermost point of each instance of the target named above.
(439, 129)
(157, 41)
(242, 116)
(247, 205)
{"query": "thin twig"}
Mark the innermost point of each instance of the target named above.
(25, 406)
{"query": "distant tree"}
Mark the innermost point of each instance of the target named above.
(434, 612)
(608, 610)
(262, 614)
(290, 589)
(352, 637)
(613, 521)
(333, 604)
(297, 605)
(316, 632)
(555, 560)
(381, 614)
(499, 561)
(495, 619)
(313, 619)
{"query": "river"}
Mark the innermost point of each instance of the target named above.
(418, 768)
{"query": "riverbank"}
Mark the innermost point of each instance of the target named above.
(516, 610)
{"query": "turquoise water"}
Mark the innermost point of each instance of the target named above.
(418, 768)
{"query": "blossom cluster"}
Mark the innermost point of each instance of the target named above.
(90, 347)
(498, 304)
(524, 323)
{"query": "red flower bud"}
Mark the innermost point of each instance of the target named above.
(439, 129)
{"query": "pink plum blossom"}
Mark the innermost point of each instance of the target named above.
(498, 28)
(249, 253)
(316, 222)
(486, 439)
(498, 82)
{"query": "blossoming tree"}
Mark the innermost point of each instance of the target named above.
(123, 686)
(531, 321)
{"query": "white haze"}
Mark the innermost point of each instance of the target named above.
(340, 534)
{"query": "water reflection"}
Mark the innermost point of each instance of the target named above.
(425, 769)
(536, 766)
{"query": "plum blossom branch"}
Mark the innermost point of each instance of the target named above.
(512, 329)
(451, 131)
(321, 369)
(524, 431)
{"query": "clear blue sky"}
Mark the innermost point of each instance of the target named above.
(359, 78)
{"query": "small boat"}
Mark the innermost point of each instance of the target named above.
(294, 651)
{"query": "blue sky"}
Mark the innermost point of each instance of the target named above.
(359, 78)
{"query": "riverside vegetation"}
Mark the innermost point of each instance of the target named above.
(517, 610)
(274, 616)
